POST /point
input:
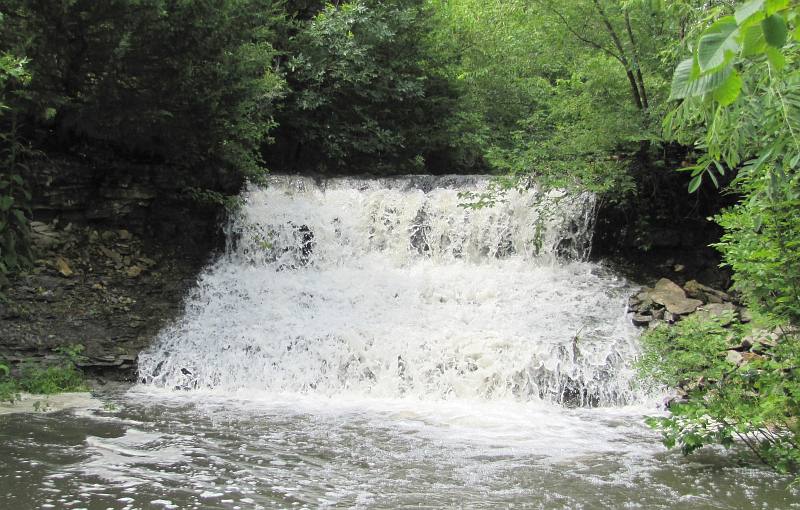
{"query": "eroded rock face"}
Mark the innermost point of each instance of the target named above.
(103, 289)
(116, 247)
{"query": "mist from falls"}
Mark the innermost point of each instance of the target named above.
(391, 288)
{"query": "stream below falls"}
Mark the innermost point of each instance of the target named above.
(377, 344)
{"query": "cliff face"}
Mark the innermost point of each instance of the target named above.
(116, 250)
(148, 200)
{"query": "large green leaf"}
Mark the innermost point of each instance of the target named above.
(775, 58)
(747, 10)
(773, 6)
(728, 91)
(753, 42)
(718, 44)
(687, 81)
(775, 30)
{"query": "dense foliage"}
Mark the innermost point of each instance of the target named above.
(569, 91)
(731, 392)
(59, 375)
(186, 83)
(592, 94)
(14, 197)
(741, 109)
(364, 95)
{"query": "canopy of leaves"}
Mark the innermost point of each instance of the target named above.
(187, 83)
(364, 93)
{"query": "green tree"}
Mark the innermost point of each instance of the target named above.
(739, 95)
(188, 83)
(363, 94)
(14, 196)
(740, 107)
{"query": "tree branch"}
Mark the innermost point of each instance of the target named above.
(636, 62)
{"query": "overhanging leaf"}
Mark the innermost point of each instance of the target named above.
(695, 183)
(773, 6)
(718, 44)
(775, 58)
(747, 10)
(728, 91)
(753, 41)
(687, 82)
(775, 30)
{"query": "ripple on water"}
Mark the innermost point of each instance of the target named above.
(206, 451)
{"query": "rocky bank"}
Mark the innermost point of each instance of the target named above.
(115, 251)
(668, 302)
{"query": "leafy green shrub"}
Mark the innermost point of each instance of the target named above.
(740, 108)
(8, 388)
(14, 196)
(44, 378)
(761, 244)
(752, 396)
(47, 380)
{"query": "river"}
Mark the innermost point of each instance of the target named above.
(376, 344)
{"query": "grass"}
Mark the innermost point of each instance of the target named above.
(44, 378)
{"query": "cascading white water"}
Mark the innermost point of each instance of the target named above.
(391, 288)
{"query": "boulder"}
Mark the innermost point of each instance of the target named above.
(697, 290)
(718, 310)
(745, 316)
(44, 236)
(673, 298)
(734, 357)
(63, 267)
(640, 319)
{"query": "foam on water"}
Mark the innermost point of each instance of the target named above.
(391, 288)
(371, 344)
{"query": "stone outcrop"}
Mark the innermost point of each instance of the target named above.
(115, 252)
(149, 200)
(104, 290)
(669, 302)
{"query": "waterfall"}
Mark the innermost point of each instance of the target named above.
(392, 288)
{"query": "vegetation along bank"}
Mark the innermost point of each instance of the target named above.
(127, 128)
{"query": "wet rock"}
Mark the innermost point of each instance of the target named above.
(642, 319)
(673, 298)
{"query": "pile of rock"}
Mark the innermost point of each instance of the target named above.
(669, 302)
